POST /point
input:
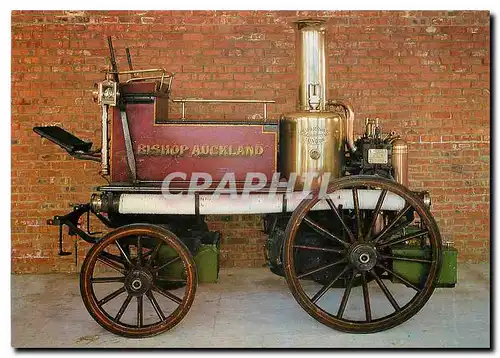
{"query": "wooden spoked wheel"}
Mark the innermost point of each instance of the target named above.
(373, 296)
(121, 278)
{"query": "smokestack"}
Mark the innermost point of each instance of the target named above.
(311, 63)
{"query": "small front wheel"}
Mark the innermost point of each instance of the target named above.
(121, 281)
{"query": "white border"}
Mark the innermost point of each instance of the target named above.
(491, 5)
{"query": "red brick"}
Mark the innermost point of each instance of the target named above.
(433, 86)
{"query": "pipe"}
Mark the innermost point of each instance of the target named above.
(349, 129)
(251, 204)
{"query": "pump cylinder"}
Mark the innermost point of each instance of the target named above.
(400, 161)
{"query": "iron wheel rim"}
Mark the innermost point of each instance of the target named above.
(368, 325)
(138, 297)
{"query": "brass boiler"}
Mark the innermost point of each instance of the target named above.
(311, 144)
(312, 139)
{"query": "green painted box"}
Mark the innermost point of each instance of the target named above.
(415, 271)
(206, 259)
(207, 263)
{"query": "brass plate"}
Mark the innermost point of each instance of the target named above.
(377, 156)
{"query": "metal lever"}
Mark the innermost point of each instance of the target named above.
(112, 58)
(88, 226)
(129, 60)
(61, 251)
(128, 143)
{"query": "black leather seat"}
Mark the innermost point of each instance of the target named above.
(63, 138)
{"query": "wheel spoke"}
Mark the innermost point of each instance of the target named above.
(124, 254)
(321, 268)
(122, 309)
(401, 278)
(331, 204)
(111, 296)
(170, 279)
(380, 201)
(166, 264)
(326, 249)
(410, 259)
(155, 305)
(325, 288)
(356, 212)
(154, 253)
(323, 231)
(345, 297)
(396, 229)
(140, 311)
(366, 299)
(107, 261)
(139, 250)
(168, 295)
(107, 279)
(386, 291)
(399, 215)
(403, 239)
(113, 258)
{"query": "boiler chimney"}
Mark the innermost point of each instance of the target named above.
(311, 63)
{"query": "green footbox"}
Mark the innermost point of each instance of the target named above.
(415, 271)
(207, 263)
(206, 259)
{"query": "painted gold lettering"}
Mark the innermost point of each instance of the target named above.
(141, 149)
(183, 149)
(155, 149)
(205, 150)
(196, 151)
(249, 151)
(223, 150)
(174, 150)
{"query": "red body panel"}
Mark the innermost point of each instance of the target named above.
(214, 148)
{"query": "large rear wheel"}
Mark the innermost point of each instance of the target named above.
(374, 296)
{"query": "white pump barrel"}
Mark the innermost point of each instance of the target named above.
(247, 204)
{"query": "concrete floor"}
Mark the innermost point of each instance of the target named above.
(248, 308)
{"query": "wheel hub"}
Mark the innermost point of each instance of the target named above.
(363, 256)
(138, 282)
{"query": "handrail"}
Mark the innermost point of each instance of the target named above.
(129, 72)
(164, 74)
(183, 102)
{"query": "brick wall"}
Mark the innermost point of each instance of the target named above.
(424, 73)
